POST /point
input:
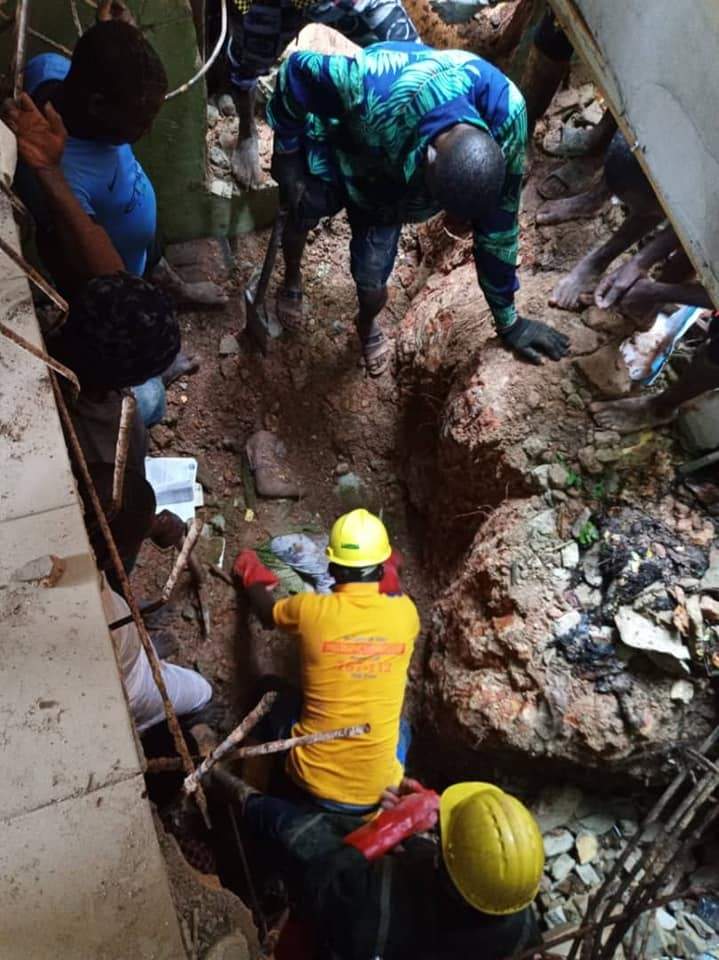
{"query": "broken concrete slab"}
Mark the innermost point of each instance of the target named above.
(562, 867)
(587, 846)
(587, 874)
(556, 842)
(698, 423)
(639, 633)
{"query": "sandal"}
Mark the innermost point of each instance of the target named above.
(376, 353)
(289, 309)
(568, 179)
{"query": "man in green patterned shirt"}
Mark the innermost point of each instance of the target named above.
(394, 135)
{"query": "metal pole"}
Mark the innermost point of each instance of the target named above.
(22, 21)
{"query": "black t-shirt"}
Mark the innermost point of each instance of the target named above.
(400, 907)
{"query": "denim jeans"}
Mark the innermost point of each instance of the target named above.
(151, 403)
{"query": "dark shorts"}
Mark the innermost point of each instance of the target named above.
(259, 37)
(373, 251)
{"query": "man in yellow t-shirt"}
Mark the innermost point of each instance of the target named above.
(355, 648)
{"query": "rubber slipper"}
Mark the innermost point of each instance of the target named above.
(571, 178)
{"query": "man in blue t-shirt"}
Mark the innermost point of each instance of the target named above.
(107, 96)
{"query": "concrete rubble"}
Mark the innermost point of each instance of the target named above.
(681, 929)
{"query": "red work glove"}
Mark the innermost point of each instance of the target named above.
(390, 582)
(413, 813)
(250, 570)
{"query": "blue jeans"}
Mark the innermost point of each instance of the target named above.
(151, 402)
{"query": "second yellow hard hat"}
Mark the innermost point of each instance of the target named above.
(358, 539)
(492, 847)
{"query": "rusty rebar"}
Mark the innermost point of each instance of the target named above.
(192, 781)
(22, 22)
(280, 746)
(49, 361)
(188, 545)
(76, 18)
(39, 36)
(155, 665)
(127, 415)
(34, 277)
(163, 764)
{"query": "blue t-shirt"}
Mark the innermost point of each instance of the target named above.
(106, 178)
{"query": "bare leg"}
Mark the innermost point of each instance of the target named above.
(375, 348)
(639, 413)
(582, 141)
(568, 293)
(648, 293)
(246, 159)
(540, 81)
(574, 208)
(203, 293)
(289, 296)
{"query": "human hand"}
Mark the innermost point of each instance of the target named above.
(612, 288)
(251, 571)
(392, 795)
(114, 10)
(532, 338)
(40, 136)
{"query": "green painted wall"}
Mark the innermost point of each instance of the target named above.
(173, 154)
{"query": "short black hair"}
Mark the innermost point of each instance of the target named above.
(342, 574)
(120, 331)
(132, 522)
(114, 59)
(468, 173)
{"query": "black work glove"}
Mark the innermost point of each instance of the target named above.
(531, 338)
(288, 169)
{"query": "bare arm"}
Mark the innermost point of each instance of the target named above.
(262, 603)
(41, 141)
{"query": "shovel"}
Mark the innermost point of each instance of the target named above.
(259, 324)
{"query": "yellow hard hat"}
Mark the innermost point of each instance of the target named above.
(358, 539)
(492, 847)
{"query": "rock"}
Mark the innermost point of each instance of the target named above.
(689, 942)
(606, 370)
(558, 476)
(231, 947)
(580, 523)
(218, 158)
(591, 566)
(587, 847)
(189, 613)
(342, 468)
(351, 490)
(587, 874)
(556, 842)
(639, 633)
(708, 911)
(544, 524)
(682, 690)
(628, 827)
(556, 807)
(555, 916)
(213, 115)
(226, 105)
(597, 823)
(710, 580)
(46, 571)
(562, 867)
(665, 920)
(659, 942)
(534, 446)
(228, 140)
(606, 438)
(567, 623)
(218, 522)
(570, 556)
(229, 368)
(698, 423)
(581, 902)
(632, 860)
(700, 927)
(587, 596)
(541, 475)
(587, 457)
(229, 345)
(709, 609)
(608, 455)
